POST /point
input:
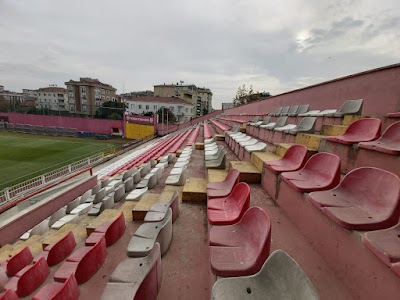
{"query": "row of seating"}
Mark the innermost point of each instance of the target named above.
(243, 145)
(239, 242)
(193, 138)
(179, 172)
(214, 155)
(221, 128)
(139, 276)
(207, 132)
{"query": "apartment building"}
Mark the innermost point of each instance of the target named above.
(10, 96)
(182, 109)
(87, 95)
(53, 98)
(201, 98)
(227, 105)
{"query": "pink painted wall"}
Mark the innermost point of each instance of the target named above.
(379, 88)
(81, 124)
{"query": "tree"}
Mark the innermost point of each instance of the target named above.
(111, 110)
(205, 111)
(171, 116)
(4, 105)
(244, 96)
(149, 114)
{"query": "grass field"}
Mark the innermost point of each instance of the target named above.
(24, 156)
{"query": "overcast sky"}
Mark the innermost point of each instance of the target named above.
(276, 46)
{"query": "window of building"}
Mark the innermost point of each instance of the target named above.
(54, 95)
(102, 91)
(84, 109)
(140, 106)
(155, 107)
(171, 108)
(108, 98)
(83, 89)
(147, 107)
(187, 109)
(44, 94)
(132, 106)
(107, 91)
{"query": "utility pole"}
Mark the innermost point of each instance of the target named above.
(167, 121)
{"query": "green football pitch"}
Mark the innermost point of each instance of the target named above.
(24, 156)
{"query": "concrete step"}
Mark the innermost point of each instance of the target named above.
(348, 119)
(142, 207)
(281, 149)
(258, 158)
(248, 172)
(333, 130)
(311, 141)
(195, 189)
(215, 175)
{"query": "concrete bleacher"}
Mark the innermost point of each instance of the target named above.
(286, 215)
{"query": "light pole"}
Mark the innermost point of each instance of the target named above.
(162, 116)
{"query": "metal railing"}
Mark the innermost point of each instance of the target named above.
(21, 189)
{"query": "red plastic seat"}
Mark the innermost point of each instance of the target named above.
(26, 281)
(366, 199)
(394, 115)
(363, 130)
(223, 188)
(58, 251)
(229, 210)
(68, 290)
(8, 295)
(17, 262)
(388, 143)
(241, 249)
(111, 230)
(321, 172)
(83, 263)
(293, 160)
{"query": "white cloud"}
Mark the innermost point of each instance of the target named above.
(274, 45)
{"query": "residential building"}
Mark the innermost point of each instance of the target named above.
(138, 94)
(201, 98)
(87, 95)
(227, 105)
(182, 109)
(11, 97)
(30, 97)
(53, 98)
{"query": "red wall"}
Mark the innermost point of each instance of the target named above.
(81, 124)
(380, 89)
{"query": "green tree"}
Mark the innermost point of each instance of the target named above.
(205, 111)
(111, 110)
(171, 116)
(244, 95)
(4, 105)
(149, 114)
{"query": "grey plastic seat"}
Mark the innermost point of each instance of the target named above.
(277, 112)
(293, 111)
(136, 194)
(96, 188)
(148, 181)
(129, 278)
(265, 121)
(218, 163)
(286, 127)
(98, 196)
(150, 233)
(71, 205)
(81, 209)
(158, 211)
(212, 156)
(350, 107)
(129, 185)
(248, 143)
(308, 113)
(179, 179)
(38, 229)
(326, 112)
(119, 193)
(280, 278)
(300, 110)
(108, 202)
(254, 120)
(105, 182)
(65, 220)
(279, 123)
(260, 146)
(181, 164)
(209, 141)
(157, 172)
(235, 129)
(97, 209)
(136, 177)
(285, 111)
(57, 215)
(306, 125)
(145, 169)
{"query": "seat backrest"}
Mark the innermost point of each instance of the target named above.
(373, 187)
(266, 119)
(285, 110)
(60, 249)
(369, 128)
(307, 124)
(392, 133)
(255, 119)
(289, 279)
(232, 178)
(19, 261)
(293, 109)
(351, 107)
(303, 108)
(296, 154)
(278, 110)
(324, 163)
(257, 225)
(281, 122)
(240, 193)
(32, 276)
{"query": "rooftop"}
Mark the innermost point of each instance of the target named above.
(155, 99)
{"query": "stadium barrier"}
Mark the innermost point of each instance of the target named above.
(37, 129)
(24, 188)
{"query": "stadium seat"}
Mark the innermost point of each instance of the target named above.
(218, 163)
(68, 290)
(363, 130)
(83, 263)
(321, 172)
(158, 211)
(213, 156)
(301, 110)
(229, 210)
(225, 187)
(350, 107)
(73, 218)
(322, 113)
(79, 210)
(388, 143)
(57, 216)
(277, 112)
(17, 262)
(286, 127)
(8, 295)
(260, 146)
(111, 231)
(150, 233)
(279, 123)
(366, 199)
(136, 278)
(306, 125)
(293, 160)
(242, 248)
(280, 278)
(285, 111)
(59, 250)
(27, 280)
(308, 113)
(385, 244)
(293, 111)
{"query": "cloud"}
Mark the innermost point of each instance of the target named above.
(274, 46)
